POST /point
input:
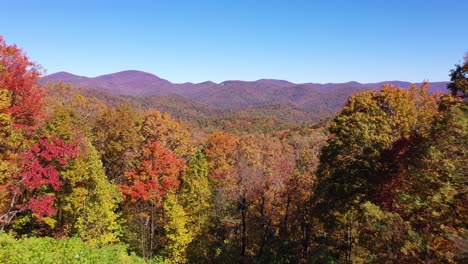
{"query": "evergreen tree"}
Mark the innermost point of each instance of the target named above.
(458, 85)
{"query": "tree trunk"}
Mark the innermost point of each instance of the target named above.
(243, 207)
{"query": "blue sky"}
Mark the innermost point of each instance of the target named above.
(300, 41)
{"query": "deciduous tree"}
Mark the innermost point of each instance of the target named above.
(144, 190)
(195, 196)
(21, 104)
(87, 200)
(355, 167)
(19, 76)
(39, 180)
(177, 229)
(116, 137)
(172, 134)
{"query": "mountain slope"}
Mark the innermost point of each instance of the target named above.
(324, 98)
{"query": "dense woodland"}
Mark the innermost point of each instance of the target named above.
(88, 178)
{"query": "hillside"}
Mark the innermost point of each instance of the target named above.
(136, 169)
(228, 94)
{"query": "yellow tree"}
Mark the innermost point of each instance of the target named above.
(83, 110)
(88, 200)
(177, 229)
(195, 196)
(117, 139)
(172, 134)
(6, 155)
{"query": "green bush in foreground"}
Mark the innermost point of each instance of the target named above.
(67, 250)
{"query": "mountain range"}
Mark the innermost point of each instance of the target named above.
(260, 96)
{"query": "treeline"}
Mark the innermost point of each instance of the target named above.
(207, 118)
(385, 181)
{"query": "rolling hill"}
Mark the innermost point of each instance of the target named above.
(287, 101)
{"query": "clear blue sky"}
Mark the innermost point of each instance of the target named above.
(301, 41)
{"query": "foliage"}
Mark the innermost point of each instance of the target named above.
(83, 171)
(21, 103)
(39, 178)
(19, 76)
(66, 101)
(434, 206)
(144, 191)
(177, 230)
(117, 139)
(88, 200)
(459, 79)
(172, 134)
(370, 139)
(155, 176)
(66, 250)
(195, 195)
(220, 151)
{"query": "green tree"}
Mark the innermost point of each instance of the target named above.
(64, 250)
(433, 195)
(369, 134)
(459, 79)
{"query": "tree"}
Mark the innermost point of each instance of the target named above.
(220, 152)
(172, 134)
(240, 186)
(19, 76)
(195, 192)
(276, 164)
(144, 190)
(21, 104)
(8, 145)
(299, 223)
(195, 196)
(116, 137)
(39, 180)
(358, 163)
(156, 174)
(83, 110)
(432, 197)
(88, 200)
(177, 230)
(459, 79)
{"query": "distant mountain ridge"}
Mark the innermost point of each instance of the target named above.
(230, 94)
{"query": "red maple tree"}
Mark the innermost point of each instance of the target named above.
(20, 77)
(40, 174)
(156, 175)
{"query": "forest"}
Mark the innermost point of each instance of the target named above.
(87, 179)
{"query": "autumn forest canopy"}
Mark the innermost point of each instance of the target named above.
(89, 177)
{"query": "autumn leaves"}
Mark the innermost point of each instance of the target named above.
(384, 181)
